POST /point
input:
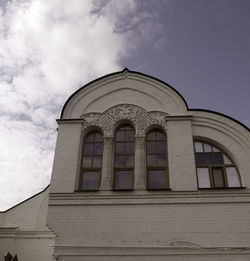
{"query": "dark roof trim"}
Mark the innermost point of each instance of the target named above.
(115, 73)
(154, 78)
(25, 200)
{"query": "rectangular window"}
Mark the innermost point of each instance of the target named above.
(90, 180)
(232, 177)
(203, 178)
(157, 179)
(218, 177)
(123, 180)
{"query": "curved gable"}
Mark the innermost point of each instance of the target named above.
(124, 87)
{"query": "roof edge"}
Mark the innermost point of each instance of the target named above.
(125, 70)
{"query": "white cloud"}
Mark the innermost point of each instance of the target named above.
(47, 50)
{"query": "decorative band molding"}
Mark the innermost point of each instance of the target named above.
(140, 118)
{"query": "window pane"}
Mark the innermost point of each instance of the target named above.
(200, 158)
(218, 178)
(87, 162)
(160, 136)
(209, 159)
(124, 161)
(160, 147)
(157, 179)
(129, 135)
(151, 160)
(129, 161)
(98, 137)
(218, 158)
(90, 138)
(203, 178)
(151, 136)
(88, 149)
(90, 180)
(123, 179)
(151, 147)
(129, 148)
(97, 161)
(119, 136)
(98, 148)
(207, 147)
(119, 148)
(232, 177)
(119, 161)
(161, 160)
(226, 159)
(198, 146)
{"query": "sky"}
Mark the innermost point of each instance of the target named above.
(49, 49)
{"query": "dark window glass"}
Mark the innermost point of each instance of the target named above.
(218, 178)
(151, 147)
(157, 179)
(152, 160)
(129, 148)
(218, 158)
(98, 148)
(88, 149)
(129, 135)
(97, 161)
(200, 159)
(98, 137)
(151, 136)
(87, 161)
(157, 160)
(119, 136)
(160, 147)
(124, 158)
(161, 160)
(90, 138)
(207, 158)
(92, 161)
(90, 180)
(123, 179)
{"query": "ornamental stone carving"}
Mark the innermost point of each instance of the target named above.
(140, 118)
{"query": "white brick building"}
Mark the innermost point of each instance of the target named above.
(139, 176)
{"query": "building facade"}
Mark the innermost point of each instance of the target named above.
(139, 176)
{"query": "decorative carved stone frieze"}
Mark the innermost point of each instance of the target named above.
(140, 118)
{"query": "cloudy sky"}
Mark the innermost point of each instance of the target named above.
(48, 49)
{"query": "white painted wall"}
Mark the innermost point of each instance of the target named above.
(23, 230)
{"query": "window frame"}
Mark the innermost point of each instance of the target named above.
(132, 169)
(210, 167)
(165, 168)
(90, 169)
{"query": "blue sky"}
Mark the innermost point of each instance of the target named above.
(48, 49)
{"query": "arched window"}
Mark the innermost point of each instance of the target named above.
(157, 170)
(91, 161)
(214, 168)
(124, 158)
